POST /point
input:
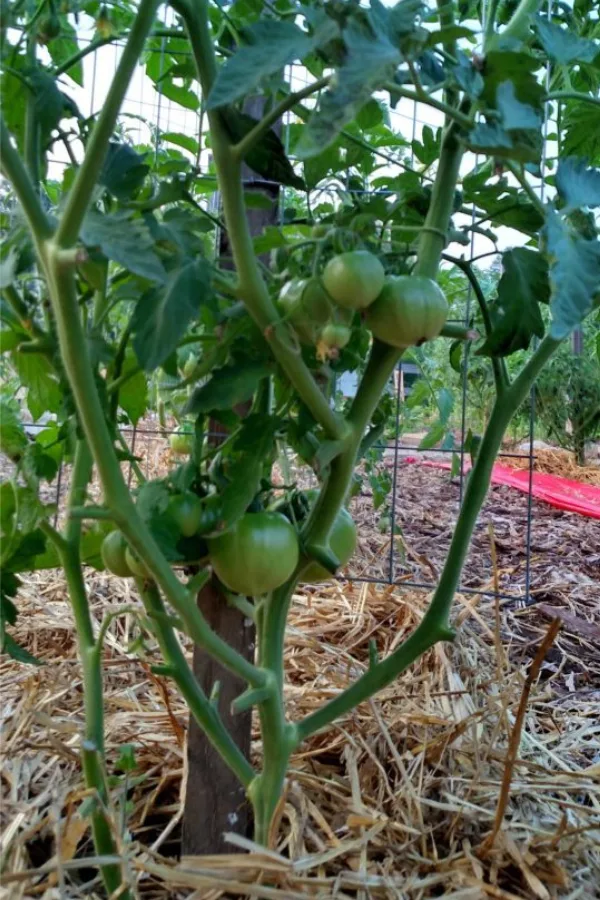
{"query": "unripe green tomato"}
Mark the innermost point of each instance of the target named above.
(290, 303)
(49, 28)
(343, 240)
(211, 514)
(319, 230)
(186, 511)
(190, 365)
(113, 552)
(181, 442)
(354, 279)
(256, 555)
(335, 336)
(135, 564)
(315, 302)
(342, 541)
(411, 309)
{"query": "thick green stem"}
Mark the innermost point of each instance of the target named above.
(81, 193)
(13, 169)
(382, 361)
(518, 28)
(573, 95)
(77, 366)
(93, 747)
(435, 624)
(451, 112)
(200, 706)
(432, 238)
(252, 287)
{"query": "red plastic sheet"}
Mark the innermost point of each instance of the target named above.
(571, 496)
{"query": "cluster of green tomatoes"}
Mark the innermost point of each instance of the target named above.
(399, 310)
(262, 550)
(254, 557)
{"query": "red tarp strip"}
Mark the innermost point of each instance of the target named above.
(571, 496)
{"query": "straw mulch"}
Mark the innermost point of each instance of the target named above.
(403, 798)
(553, 461)
(475, 775)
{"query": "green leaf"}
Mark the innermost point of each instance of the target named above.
(445, 402)
(9, 340)
(270, 239)
(515, 313)
(17, 652)
(371, 59)
(124, 171)
(581, 131)
(183, 96)
(126, 240)
(468, 78)
(43, 390)
(273, 44)
(13, 440)
(563, 45)
(64, 47)
(181, 140)
(428, 149)
(515, 115)
(152, 504)
(133, 396)
(267, 157)
(38, 464)
(578, 185)
(433, 436)
(252, 449)
(229, 386)
(574, 275)
(161, 317)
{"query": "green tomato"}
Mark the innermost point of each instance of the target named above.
(306, 304)
(257, 555)
(190, 365)
(411, 309)
(335, 336)
(135, 564)
(342, 541)
(181, 442)
(319, 230)
(354, 279)
(113, 552)
(186, 511)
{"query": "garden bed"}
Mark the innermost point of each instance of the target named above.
(397, 799)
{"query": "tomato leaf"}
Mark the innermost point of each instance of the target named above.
(229, 386)
(371, 58)
(126, 240)
(578, 185)
(64, 47)
(267, 157)
(272, 45)
(515, 313)
(433, 436)
(563, 45)
(133, 396)
(13, 440)
(36, 374)
(161, 316)
(251, 451)
(574, 275)
(124, 171)
(183, 96)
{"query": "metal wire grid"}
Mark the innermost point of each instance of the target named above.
(163, 113)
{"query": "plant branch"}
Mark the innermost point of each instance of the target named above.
(80, 195)
(77, 366)
(449, 111)
(519, 174)
(517, 28)
(501, 379)
(572, 95)
(247, 142)
(435, 624)
(13, 169)
(252, 287)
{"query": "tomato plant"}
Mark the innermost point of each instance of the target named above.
(110, 287)
(342, 540)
